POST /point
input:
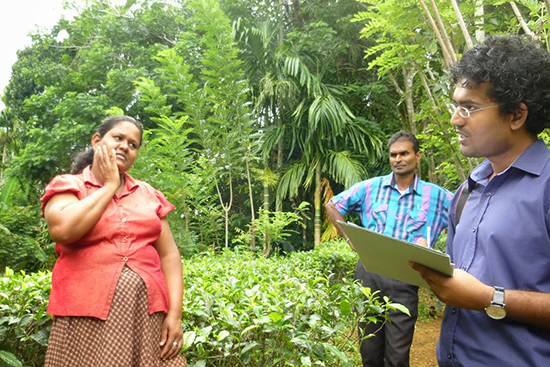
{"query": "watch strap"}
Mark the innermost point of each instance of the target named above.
(498, 297)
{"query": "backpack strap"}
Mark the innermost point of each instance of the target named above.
(461, 202)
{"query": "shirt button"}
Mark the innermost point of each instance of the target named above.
(449, 356)
(125, 258)
(488, 194)
(124, 239)
(124, 220)
(453, 311)
(474, 230)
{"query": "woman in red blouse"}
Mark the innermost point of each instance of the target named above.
(117, 285)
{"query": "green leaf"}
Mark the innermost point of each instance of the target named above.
(306, 361)
(10, 359)
(41, 337)
(345, 307)
(336, 352)
(275, 316)
(222, 335)
(251, 327)
(400, 307)
(249, 346)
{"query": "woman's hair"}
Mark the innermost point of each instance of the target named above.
(85, 158)
(517, 69)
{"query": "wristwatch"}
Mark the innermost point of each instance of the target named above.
(496, 309)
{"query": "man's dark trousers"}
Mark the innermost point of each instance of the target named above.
(390, 347)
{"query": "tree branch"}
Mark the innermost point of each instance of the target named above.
(446, 54)
(524, 25)
(463, 28)
(452, 52)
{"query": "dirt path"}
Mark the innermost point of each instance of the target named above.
(424, 342)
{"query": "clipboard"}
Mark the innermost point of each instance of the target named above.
(390, 257)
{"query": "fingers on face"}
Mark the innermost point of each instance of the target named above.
(103, 153)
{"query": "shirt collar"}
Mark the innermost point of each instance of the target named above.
(129, 183)
(415, 186)
(532, 160)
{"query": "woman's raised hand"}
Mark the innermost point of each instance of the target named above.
(106, 162)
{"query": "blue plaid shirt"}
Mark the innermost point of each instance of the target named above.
(406, 216)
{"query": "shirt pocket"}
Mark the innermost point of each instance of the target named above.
(415, 220)
(379, 215)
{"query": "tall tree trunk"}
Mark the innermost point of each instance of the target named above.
(406, 94)
(297, 14)
(408, 77)
(185, 211)
(317, 221)
(281, 22)
(443, 30)
(4, 153)
(278, 202)
(252, 213)
(521, 21)
(463, 28)
(226, 206)
(480, 12)
(267, 197)
(446, 52)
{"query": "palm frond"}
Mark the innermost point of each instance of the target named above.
(344, 168)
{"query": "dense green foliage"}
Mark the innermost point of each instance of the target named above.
(24, 325)
(297, 310)
(220, 116)
(24, 239)
(246, 103)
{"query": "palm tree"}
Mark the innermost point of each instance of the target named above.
(326, 133)
(303, 119)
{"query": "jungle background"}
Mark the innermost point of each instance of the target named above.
(256, 113)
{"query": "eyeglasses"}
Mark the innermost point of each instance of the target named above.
(466, 113)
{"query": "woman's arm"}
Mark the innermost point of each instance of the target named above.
(170, 261)
(68, 218)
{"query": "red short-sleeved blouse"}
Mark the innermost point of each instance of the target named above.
(87, 271)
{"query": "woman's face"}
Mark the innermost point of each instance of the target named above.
(124, 138)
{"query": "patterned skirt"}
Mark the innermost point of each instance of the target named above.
(128, 338)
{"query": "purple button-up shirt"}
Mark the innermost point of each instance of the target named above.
(503, 239)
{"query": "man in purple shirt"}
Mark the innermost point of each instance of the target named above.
(402, 206)
(498, 299)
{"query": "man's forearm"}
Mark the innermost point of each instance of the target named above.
(335, 216)
(463, 290)
(531, 308)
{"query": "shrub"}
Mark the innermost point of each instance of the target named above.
(24, 325)
(239, 309)
(298, 310)
(24, 239)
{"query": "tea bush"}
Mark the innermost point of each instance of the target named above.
(239, 309)
(298, 310)
(24, 325)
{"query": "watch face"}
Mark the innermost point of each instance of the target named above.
(496, 312)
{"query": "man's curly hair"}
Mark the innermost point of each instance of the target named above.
(518, 70)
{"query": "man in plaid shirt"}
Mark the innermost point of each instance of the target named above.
(404, 207)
